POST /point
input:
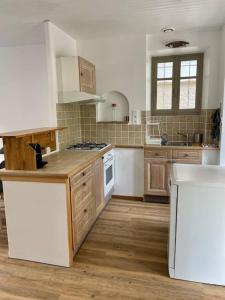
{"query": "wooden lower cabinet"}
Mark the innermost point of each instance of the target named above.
(87, 200)
(156, 174)
(157, 165)
(98, 185)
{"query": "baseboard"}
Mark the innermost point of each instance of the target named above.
(156, 199)
(124, 197)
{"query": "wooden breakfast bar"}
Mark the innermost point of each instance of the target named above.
(49, 211)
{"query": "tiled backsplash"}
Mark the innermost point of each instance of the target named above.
(68, 115)
(82, 126)
(190, 124)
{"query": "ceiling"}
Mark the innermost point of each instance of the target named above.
(85, 19)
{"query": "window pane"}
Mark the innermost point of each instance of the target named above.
(187, 93)
(164, 94)
(188, 68)
(165, 70)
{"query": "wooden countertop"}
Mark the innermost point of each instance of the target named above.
(61, 165)
(145, 146)
(174, 147)
(129, 146)
(34, 131)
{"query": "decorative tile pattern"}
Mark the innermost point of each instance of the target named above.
(190, 124)
(68, 115)
(82, 126)
(109, 133)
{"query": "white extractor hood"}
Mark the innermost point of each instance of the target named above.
(76, 96)
(71, 73)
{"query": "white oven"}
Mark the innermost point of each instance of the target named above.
(108, 161)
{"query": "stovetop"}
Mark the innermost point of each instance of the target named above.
(88, 146)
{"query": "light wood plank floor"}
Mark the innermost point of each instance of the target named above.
(124, 257)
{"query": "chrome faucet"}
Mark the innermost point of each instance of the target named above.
(186, 135)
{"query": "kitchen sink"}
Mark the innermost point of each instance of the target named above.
(189, 144)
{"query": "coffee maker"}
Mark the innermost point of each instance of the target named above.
(37, 148)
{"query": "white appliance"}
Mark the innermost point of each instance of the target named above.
(197, 223)
(108, 161)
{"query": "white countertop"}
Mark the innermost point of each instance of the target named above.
(212, 175)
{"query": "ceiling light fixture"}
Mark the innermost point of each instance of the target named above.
(168, 29)
(177, 44)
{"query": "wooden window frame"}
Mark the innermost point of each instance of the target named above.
(177, 59)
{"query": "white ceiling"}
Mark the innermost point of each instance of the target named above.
(101, 18)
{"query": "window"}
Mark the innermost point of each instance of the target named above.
(177, 84)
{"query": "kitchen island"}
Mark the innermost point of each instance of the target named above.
(49, 211)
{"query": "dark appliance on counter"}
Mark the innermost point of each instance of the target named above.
(2, 166)
(39, 161)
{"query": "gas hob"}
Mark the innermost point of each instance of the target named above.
(88, 146)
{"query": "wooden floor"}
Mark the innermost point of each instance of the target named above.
(124, 257)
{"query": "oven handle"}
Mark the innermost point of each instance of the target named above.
(111, 159)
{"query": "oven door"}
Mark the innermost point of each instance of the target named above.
(108, 176)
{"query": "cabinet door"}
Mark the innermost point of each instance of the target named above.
(98, 187)
(83, 205)
(87, 76)
(156, 173)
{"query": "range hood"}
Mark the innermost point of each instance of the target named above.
(76, 80)
(78, 97)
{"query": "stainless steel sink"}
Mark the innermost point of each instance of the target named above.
(184, 144)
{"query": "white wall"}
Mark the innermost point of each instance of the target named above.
(200, 41)
(120, 66)
(28, 84)
(58, 43)
(24, 88)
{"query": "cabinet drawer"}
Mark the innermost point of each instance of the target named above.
(157, 153)
(186, 154)
(82, 190)
(83, 219)
(76, 179)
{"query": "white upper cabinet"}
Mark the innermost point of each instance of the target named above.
(76, 79)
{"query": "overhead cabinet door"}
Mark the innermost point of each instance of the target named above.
(87, 76)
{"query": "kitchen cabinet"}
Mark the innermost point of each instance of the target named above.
(157, 163)
(98, 185)
(67, 194)
(87, 199)
(83, 206)
(76, 79)
(129, 172)
(156, 177)
(87, 76)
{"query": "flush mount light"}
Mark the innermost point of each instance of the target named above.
(168, 29)
(177, 44)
